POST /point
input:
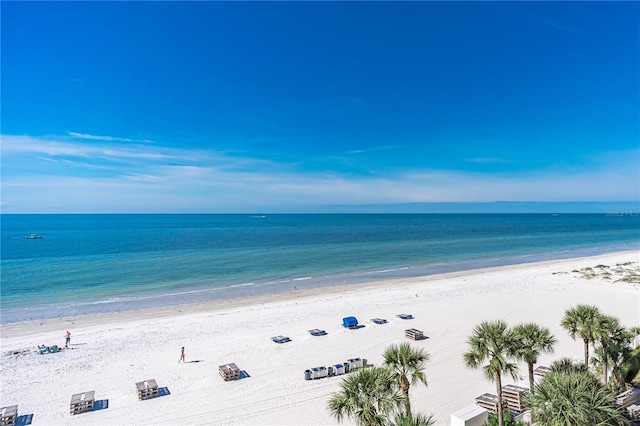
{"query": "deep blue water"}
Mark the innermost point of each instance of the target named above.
(103, 263)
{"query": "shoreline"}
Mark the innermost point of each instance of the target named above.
(47, 324)
(109, 353)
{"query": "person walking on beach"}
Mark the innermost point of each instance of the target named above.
(181, 356)
(68, 339)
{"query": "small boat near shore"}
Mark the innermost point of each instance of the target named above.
(33, 236)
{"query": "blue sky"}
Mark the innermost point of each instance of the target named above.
(295, 106)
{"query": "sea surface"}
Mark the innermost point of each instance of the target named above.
(104, 263)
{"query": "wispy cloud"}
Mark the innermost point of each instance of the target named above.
(544, 21)
(107, 138)
(45, 175)
(489, 160)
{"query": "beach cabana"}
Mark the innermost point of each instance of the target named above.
(350, 323)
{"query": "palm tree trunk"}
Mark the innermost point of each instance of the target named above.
(605, 360)
(531, 377)
(499, 392)
(586, 352)
(407, 402)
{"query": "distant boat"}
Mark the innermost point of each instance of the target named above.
(33, 236)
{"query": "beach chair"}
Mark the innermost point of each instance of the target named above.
(8, 415)
(405, 316)
(379, 320)
(280, 339)
(317, 332)
(82, 402)
(147, 389)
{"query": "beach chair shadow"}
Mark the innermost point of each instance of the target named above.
(24, 420)
(102, 404)
(244, 374)
(163, 391)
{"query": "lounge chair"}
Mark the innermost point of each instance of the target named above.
(317, 332)
(405, 316)
(379, 320)
(280, 339)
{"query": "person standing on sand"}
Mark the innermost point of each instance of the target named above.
(181, 356)
(68, 339)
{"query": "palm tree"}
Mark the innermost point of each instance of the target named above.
(369, 395)
(581, 321)
(567, 365)
(414, 420)
(608, 330)
(406, 365)
(494, 343)
(533, 340)
(573, 398)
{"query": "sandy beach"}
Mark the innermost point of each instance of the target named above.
(109, 353)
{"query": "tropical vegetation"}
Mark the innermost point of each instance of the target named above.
(572, 398)
(580, 322)
(406, 365)
(532, 340)
(379, 396)
(492, 345)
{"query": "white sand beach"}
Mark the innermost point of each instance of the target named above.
(109, 353)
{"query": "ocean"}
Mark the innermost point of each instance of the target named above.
(87, 264)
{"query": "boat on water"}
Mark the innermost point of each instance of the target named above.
(33, 236)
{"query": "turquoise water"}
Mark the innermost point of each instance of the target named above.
(104, 263)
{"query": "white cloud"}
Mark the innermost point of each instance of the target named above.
(143, 179)
(107, 138)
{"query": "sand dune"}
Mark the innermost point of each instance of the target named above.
(111, 352)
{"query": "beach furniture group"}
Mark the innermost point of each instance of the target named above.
(317, 332)
(512, 399)
(82, 402)
(335, 369)
(414, 334)
(147, 389)
(43, 350)
(630, 401)
(229, 371)
(405, 316)
(8, 415)
(379, 320)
